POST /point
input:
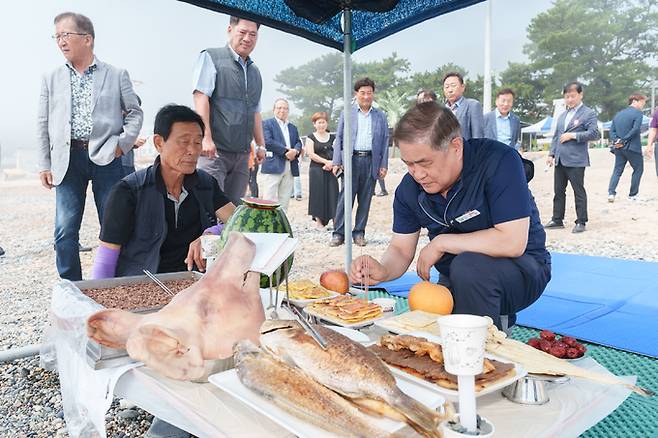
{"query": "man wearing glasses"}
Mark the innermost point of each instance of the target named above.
(88, 117)
(485, 237)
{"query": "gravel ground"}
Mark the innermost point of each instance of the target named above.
(30, 402)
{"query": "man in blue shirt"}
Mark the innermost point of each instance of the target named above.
(486, 239)
(502, 124)
(627, 145)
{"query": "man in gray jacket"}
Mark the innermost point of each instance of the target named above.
(569, 153)
(227, 92)
(627, 146)
(468, 111)
(88, 117)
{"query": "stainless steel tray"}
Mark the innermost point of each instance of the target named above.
(99, 356)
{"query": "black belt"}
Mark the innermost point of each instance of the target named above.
(362, 153)
(79, 144)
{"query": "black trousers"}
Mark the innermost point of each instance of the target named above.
(576, 177)
(253, 182)
(495, 286)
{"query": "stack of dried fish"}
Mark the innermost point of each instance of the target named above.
(328, 388)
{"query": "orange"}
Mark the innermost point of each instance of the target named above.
(430, 297)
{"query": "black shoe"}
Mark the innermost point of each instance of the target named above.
(84, 248)
(579, 228)
(2, 252)
(554, 224)
(336, 241)
(298, 197)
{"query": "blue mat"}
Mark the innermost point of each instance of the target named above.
(605, 301)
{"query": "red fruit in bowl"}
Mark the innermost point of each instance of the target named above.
(560, 344)
(545, 345)
(547, 334)
(573, 353)
(581, 348)
(571, 342)
(534, 342)
(558, 351)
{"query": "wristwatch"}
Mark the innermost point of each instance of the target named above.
(260, 148)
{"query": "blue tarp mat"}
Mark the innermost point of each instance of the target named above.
(602, 300)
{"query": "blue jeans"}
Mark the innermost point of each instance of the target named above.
(637, 163)
(70, 196)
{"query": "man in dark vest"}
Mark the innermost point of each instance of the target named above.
(227, 91)
(154, 217)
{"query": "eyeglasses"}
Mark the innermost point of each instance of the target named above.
(66, 35)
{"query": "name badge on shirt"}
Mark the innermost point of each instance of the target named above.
(468, 215)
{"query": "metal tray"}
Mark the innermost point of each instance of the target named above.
(99, 356)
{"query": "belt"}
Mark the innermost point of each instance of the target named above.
(362, 153)
(79, 144)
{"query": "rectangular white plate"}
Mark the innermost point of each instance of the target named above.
(340, 322)
(306, 302)
(398, 330)
(229, 382)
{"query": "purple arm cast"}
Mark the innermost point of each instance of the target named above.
(105, 263)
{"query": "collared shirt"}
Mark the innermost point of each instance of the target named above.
(284, 130)
(455, 105)
(177, 203)
(81, 100)
(364, 130)
(503, 128)
(570, 113)
(205, 73)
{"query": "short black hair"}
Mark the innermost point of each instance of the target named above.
(170, 114)
(505, 91)
(455, 74)
(364, 82)
(571, 86)
(235, 20)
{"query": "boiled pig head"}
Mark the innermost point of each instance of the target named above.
(201, 323)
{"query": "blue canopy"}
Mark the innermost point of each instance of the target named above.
(367, 27)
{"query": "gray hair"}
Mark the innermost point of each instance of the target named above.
(82, 23)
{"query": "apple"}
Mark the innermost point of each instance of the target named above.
(336, 281)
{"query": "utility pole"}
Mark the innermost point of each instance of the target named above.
(486, 98)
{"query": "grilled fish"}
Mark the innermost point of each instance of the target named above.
(346, 367)
(295, 392)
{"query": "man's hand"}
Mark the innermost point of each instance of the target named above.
(382, 172)
(618, 144)
(291, 154)
(139, 142)
(46, 178)
(649, 152)
(208, 148)
(365, 269)
(428, 257)
(550, 161)
(260, 154)
(118, 152)
(194, 256)
(567, 136)
(336, 170)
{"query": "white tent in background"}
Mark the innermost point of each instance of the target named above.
(541, 127)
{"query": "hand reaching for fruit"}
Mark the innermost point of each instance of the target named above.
(565, 348)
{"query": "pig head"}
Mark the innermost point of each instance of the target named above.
(200, 323)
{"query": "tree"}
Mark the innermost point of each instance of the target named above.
(609, 45)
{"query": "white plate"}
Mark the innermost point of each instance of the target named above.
(383, 323)
(229, 382)
(354, 335)
(340, 322)
(306, 302)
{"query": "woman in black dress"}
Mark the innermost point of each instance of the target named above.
(323, 186)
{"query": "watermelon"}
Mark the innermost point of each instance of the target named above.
(260, 216)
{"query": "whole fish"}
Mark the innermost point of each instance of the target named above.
(348, 368)
(295, 392)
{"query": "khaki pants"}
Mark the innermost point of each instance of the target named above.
(277, 187)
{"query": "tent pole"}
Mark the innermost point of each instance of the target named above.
(347, 133)
(486, 97)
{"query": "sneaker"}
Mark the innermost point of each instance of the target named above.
(636, 198)
(336, 241)
(611, 198)
(298, 197)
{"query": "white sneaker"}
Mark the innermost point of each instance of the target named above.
(636, 198)
(611, 198)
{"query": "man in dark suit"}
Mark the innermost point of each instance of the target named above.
(502, 124)
(575, 128)
(627, 146)
(283, 148)
(468, 111)
(369, 159)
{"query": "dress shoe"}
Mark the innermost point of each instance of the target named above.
(336, 241)
(83, 248)
(382, 194)
(2, 252)
(579, 228)
(554, 224)
(360, 241)
(298, 197)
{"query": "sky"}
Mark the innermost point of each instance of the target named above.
(158, 41)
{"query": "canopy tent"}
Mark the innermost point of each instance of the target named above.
(541, 127)
(346, 25)
(645, 123)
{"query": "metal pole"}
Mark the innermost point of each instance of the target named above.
(486, 98)
(347, 133)
(19, 353)
(653, 97)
